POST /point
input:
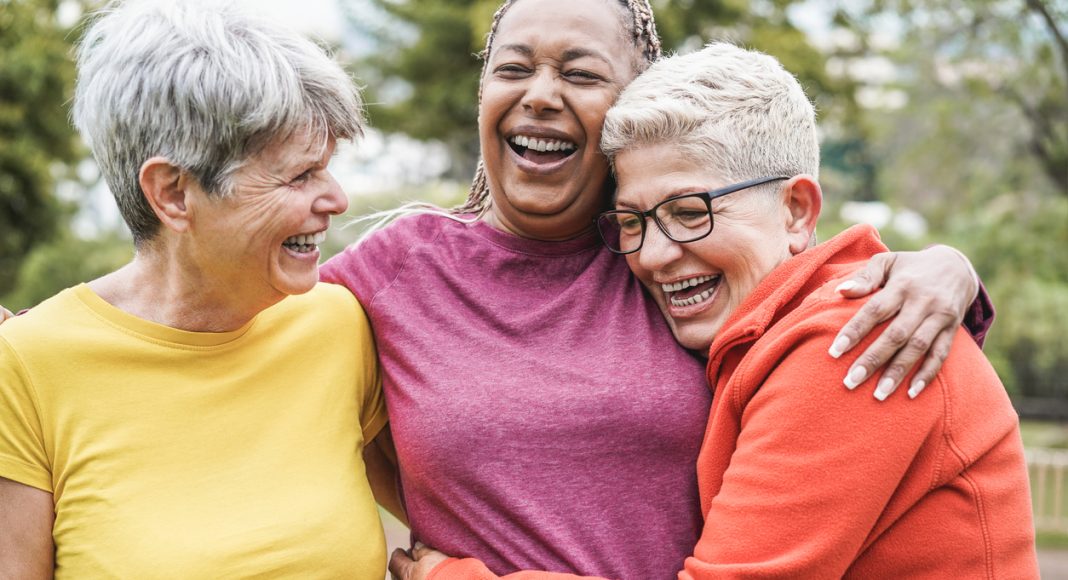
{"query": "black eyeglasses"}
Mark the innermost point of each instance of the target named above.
(684, 218)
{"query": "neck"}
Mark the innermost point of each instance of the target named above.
(162, 288)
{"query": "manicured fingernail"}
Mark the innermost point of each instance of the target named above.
(916, 388)
(884, 388)
(855, 377)
(846, 286)
(841, 344)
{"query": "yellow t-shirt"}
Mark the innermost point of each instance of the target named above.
(174, 454)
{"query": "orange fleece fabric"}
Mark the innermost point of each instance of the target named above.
(801, 478)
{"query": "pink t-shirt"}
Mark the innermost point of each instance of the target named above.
(544, 417)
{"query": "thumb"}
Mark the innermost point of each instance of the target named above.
(400, 565)
(869, 278)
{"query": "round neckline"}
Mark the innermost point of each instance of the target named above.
(515, 243)
(153, 331)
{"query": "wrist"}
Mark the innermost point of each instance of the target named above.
(967, 264)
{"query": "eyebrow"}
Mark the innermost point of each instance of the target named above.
(568, 56)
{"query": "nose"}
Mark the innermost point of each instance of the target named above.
(658, 251)
(331, 200)
(543, 92)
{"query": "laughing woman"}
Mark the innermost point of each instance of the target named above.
(200, 412)
(538, 401)
(716, 157)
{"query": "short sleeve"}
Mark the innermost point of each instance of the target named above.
(372, 403)
(22, 451)
(372, 264)
(980, 316)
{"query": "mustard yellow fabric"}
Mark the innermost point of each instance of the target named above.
(174, 454)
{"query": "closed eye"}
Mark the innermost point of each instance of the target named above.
(511, 71)
(582, 76)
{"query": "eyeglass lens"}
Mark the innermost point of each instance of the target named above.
(683, 219)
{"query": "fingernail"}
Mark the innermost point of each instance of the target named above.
(841, 344)
(916, 388)
(846, 286)
(884, 388)
(855, 377)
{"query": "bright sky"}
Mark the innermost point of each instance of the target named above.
(322, 18)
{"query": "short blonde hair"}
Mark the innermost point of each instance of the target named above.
(736, 109)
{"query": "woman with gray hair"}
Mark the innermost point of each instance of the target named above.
(201, 411)
(539, 404)
(716, 157)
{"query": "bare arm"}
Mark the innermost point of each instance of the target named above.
(380, 457)
(927, 294)
(26, 515)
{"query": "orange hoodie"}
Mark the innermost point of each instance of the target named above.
(801, 478)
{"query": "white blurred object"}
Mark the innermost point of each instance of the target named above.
(905, 222)
(875, 213)
(910, 224)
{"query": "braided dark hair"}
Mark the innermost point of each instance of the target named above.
(642, 29)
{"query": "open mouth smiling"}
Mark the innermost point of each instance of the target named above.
(691, 291)
(541, 150)
(305, 243)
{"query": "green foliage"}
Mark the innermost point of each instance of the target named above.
(36, 79)
(423, 79)
(1009, 56)
(66, 261)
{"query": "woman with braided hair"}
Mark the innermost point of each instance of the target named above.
(543, 416)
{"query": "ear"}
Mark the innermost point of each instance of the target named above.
(165, 187)
(803, 200)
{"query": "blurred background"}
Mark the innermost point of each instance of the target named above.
(943, 121)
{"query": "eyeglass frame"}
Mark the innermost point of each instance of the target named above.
(708, 196)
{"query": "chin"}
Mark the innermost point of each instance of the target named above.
(696, 335)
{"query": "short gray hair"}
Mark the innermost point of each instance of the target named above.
(203, 85)
(738, 110)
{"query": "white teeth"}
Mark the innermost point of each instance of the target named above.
(694, 299)
(542, 145)
(310, 240)
(684, 284)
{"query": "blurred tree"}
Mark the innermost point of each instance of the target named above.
(64, 261)
(423, 78)
(36, 79)
(996, 54)
(975, 137)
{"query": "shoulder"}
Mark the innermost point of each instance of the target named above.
(370, 264)
(396, 238)
(45, 321)
(329, 305)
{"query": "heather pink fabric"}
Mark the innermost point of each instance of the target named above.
(543, 415)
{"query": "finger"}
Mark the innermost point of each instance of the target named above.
(5, 314)
(419, 550)
(885, 346)
(879, 308)
(904, 360)
(933, 363)
(400, 565)
(869, 278)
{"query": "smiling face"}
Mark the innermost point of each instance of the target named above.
(555, 69)
(261, 242)
(699, 284)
